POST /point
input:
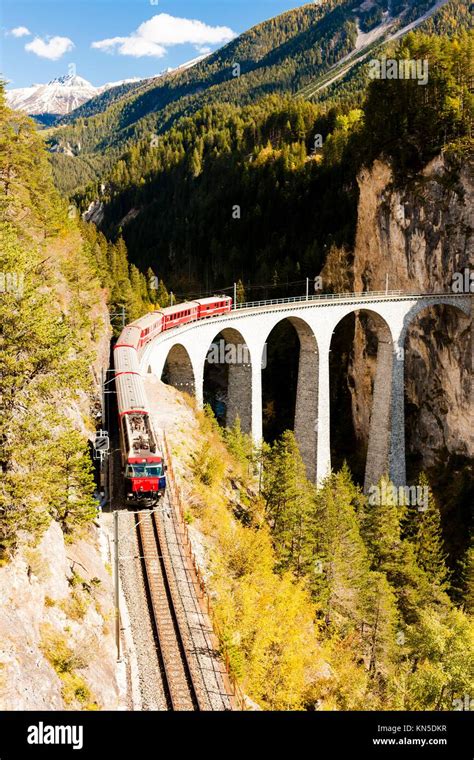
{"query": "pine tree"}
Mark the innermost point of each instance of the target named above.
(341, 566)
(241, 445)
(300, 129)
(195, 164)
(67, 470)
(428, 540)
(468, 581)
(240, 292)
(380, 623)
(163, 297)
(381, 524)
(152, 285)
(289, 501)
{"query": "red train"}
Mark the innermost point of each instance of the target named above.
(143, 463)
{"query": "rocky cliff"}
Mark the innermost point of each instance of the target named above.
(56, 627)
(418, 236)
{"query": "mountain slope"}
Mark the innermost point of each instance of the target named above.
(173, 199)
(283, 54)
(389, 29)
(278, 55)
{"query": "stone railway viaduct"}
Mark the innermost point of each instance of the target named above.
(184, 350)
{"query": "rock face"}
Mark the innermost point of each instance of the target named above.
(418, 237)
(53, 596)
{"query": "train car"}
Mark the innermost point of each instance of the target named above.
(142, 461)
(180, 314)
(150, 326)
(209, 307)
(126, 360)
(129, 337)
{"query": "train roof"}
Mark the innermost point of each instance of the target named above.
(212, 299)
(130, 393)
(126, 360)
(129, 336)
(148, 320)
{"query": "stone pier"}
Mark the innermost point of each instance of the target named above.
(306, 411)
(378, 450)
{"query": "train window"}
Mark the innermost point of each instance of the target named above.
(144, 471)
(154, 472)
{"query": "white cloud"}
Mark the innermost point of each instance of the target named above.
(19, 31)
(133, 45)
(153, 37)
(52, 48)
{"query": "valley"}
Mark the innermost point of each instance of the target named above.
(248, 278)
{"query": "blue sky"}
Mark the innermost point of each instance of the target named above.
(109, 40)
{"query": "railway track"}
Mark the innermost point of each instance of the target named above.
(182, 683)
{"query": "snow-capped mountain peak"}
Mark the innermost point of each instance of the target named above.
(63, 94)
(60, 96)
(70, 80)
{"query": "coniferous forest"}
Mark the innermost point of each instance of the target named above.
(266, 159)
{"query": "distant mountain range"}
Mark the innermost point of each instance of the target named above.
(64, 94)
(60, 96)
